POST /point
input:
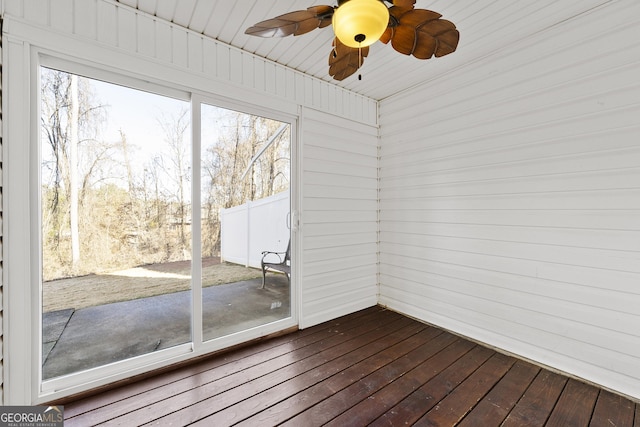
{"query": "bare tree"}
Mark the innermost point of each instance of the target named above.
(224, 161)
(69, 121)
(178, 170)
(271, 171)
(100, 212)
(74, 118)
(124, 145)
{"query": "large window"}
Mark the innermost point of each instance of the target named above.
(122, 215)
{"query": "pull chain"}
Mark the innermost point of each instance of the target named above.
(359, 61)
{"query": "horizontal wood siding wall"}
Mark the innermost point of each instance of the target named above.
(510, 198)
(339, 223)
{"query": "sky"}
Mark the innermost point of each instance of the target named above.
(136, 113)
(139, 114)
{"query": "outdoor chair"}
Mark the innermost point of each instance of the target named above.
(283, 265)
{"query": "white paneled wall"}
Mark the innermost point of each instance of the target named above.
(339, 219)
(510, 198)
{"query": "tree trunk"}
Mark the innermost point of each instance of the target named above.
(73, 171)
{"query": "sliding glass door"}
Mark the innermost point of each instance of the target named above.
(131, 189)
(245, 170)
(115, 206)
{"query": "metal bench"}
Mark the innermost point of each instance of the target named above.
(283, 265)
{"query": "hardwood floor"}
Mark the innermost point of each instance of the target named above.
(374, 367)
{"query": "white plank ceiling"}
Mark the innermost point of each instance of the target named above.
(486, 27)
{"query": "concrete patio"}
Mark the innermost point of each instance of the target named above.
(76, 340)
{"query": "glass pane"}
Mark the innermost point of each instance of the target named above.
(116, 222)
(245, 211)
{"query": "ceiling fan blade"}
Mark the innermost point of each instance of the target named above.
(345, 60)
(445, 33)
(296, 23)
(421, 33)
(324, 13)
(404, 4)
(395, 13)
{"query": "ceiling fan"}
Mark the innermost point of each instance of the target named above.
(359, 23)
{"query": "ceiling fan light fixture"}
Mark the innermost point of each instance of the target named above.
(360, 23)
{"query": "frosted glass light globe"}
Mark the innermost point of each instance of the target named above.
(360, 23)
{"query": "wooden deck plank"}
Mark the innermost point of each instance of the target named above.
(199, 403)
(374, 367)
(538, 401)
(414, 406)
(575, 406)
(341, 401)
(109, 397)
(463, 398)
(378, 403)
(612, 410)
(228, 374)
(493, 409)
(347, 369)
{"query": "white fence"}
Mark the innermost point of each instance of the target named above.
(249, 229)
